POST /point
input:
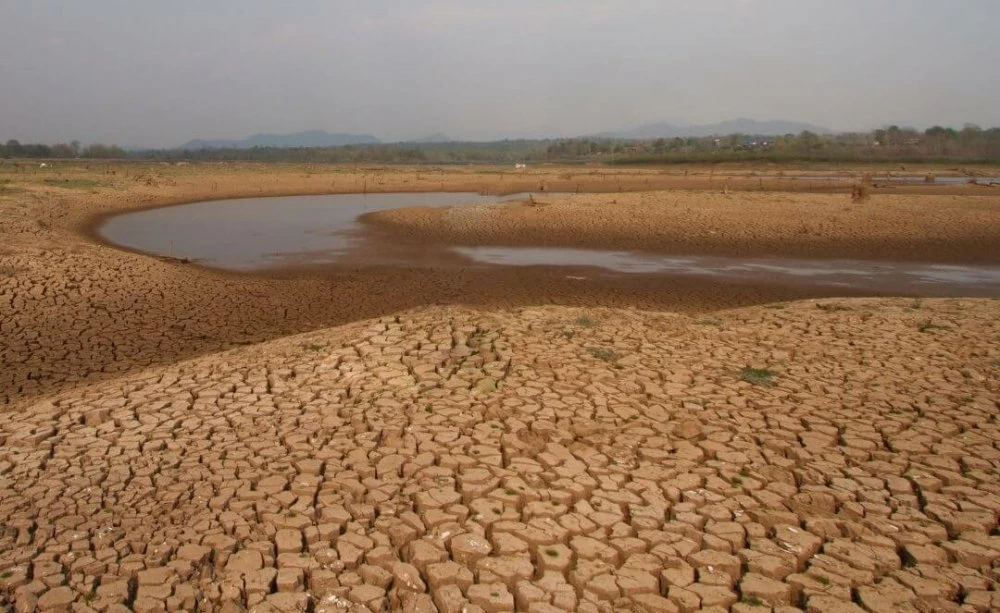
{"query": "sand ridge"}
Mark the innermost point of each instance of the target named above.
(947, 229)
(536, 459)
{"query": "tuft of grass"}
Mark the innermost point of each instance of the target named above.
(823, 579)
(861, 192)
(585, 322)
(604, 353)
(709, 321)
(552, 553)
(312, 347)
(916, 305)
(757, 376)
(478, 337)
(753, 601)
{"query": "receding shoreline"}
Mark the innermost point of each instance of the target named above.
(932, 229)
(75, 309)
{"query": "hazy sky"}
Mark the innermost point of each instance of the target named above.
(149, 73)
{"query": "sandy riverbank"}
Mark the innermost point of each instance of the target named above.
(73, 309)
(923, 228)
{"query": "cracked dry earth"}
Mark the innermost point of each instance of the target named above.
(540, 459)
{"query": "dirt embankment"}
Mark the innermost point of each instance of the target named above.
(951, 229)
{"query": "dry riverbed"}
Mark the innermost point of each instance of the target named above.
(821, 455)
(74, 310)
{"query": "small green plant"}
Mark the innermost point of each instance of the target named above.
(312, 347)
(585, 322)
(823, 579)
(916, 305)
(757, 376)
(736, 481)
(6, 574)
(552, 553)
(604, 353)
(569, 334)
(753, 601)
(478, 337)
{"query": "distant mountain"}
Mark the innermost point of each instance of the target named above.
(437, 137)
(309, 138)
(733, 126)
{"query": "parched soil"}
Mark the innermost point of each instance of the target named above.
(823, 456)
(819, 455)
(953, 229)
(75, 310)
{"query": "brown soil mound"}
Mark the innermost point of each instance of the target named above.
(954, 229)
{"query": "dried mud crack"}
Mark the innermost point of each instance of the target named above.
(537, 459)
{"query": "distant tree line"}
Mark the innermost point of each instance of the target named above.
(15, 149)
(892, 144)
(509, 151)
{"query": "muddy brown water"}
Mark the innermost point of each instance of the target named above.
(272, 234)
